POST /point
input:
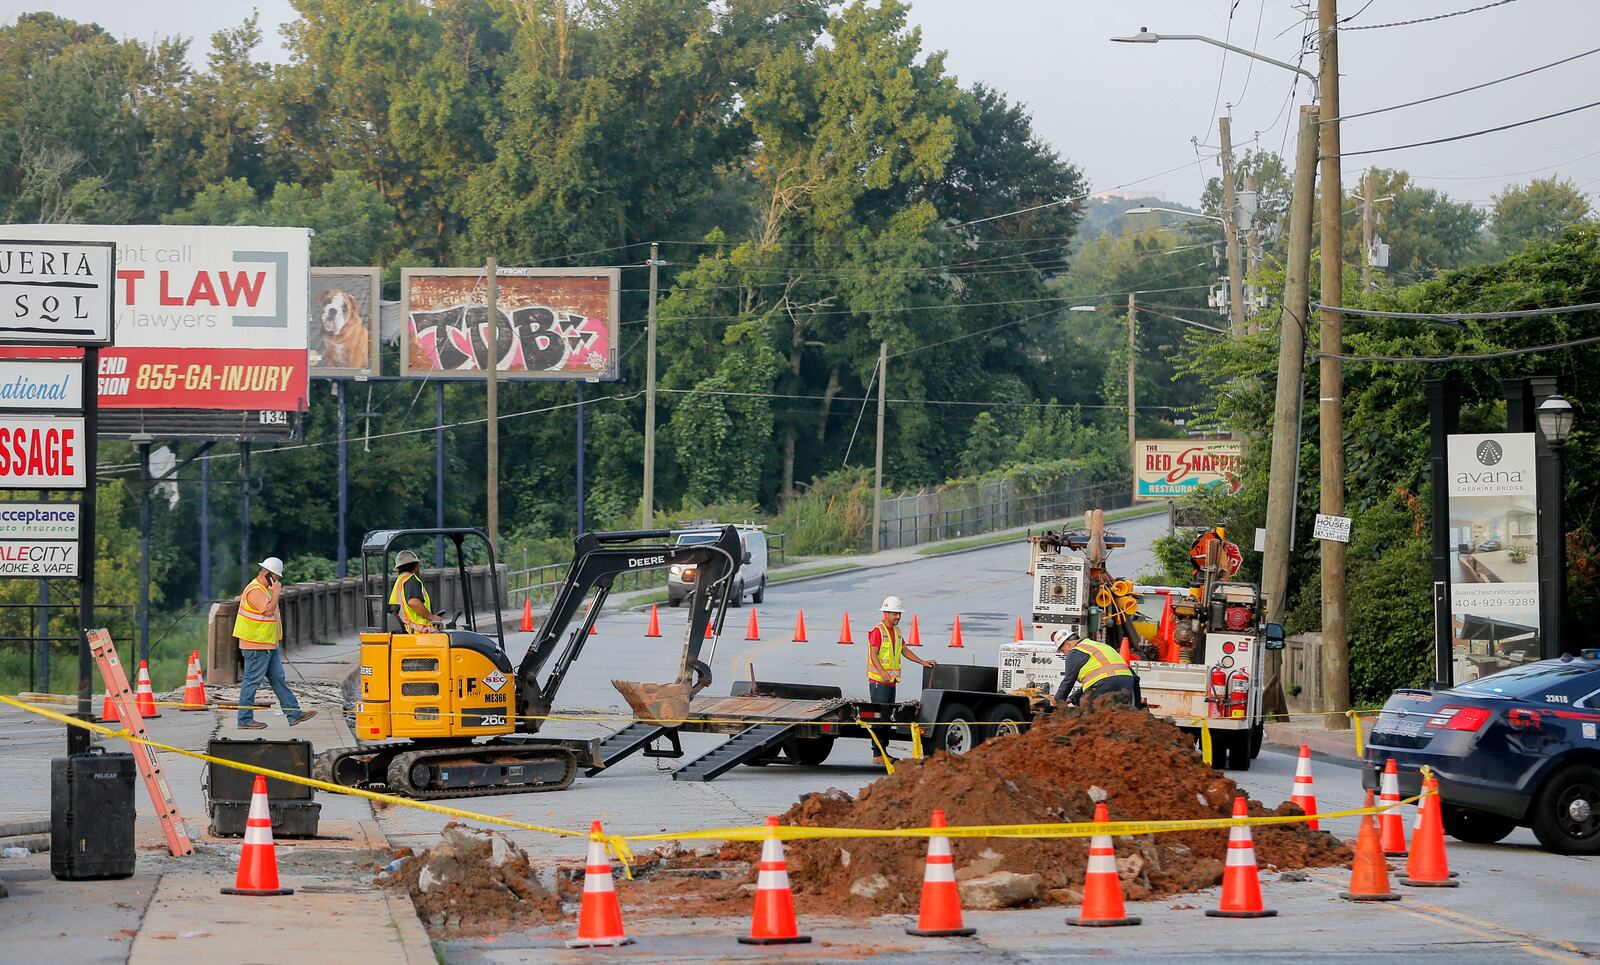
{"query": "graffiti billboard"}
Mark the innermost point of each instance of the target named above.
(550, 323)
(342, 336)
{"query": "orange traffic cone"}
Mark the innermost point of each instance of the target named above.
(1102, 887)
(1392, 822)
(773, 922)
(108, 709)
(526, 626)
(654, 629)
(1018, 638)
(194, 692)
(915, 640)
(800, 627)
(940, 916)
(258, 862)
(145, 698)
(600, 915)
(955, 632)
(1241, 883)
(1427, 867)
(1305, 794)
(1167, 633)
(844, 631)
(1369, 872)
(753, 631)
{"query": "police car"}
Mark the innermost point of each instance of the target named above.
(1516, 748)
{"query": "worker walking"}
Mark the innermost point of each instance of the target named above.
(1099, 670)
(259, 629)
(409, 598)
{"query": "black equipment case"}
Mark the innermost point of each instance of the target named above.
(294, 813)
(91, 816)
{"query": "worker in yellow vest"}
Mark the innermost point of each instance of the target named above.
(259, 629)
(885, 650)
(1099, 670)
(409, 598)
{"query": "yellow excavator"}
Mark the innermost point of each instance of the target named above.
(444, 714)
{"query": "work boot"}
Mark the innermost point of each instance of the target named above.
(254, 725)
(303, 717)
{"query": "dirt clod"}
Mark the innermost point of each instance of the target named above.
(472, 883)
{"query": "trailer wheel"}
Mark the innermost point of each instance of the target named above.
(1003, 720)
(958, 732)
(811, 751)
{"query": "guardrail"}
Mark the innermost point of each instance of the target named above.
(1008, 512)
(37, 640)
(326, 609)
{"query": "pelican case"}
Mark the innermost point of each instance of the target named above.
(91, 816)
(294, 813)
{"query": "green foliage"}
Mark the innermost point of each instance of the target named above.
(349, 217)
(1537, 211)
(834, 516)
(306, 568)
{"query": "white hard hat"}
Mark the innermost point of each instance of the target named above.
(892, 604)
(273, 565)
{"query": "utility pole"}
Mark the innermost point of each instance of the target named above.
(1283, 478)
(492, 297)
(1252, 252)
(1230, 230)
(1335, 640)
(650, 394)
(877, 472)
(1366, 231)
(1132, 357)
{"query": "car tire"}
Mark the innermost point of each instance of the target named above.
(738, 595)
(1003, 720)
(674, 601)
(760, 595)
(1566, 812)
(1475, 827)
(957, 730)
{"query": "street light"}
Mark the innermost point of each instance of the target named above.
(1152, 209)
(1144, 36)
(1555, 421)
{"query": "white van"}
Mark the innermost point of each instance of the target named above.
(752, 577)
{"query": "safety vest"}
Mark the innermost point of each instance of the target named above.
(254, 626)
(1103, 664)
(414, 621)
(890, 646)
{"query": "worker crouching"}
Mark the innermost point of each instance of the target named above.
(1096, 672)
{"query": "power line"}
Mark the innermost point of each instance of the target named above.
(1069, 200)
(1461, 316)
(1466, 357)
(1462, 137)
(872, 398)
(1442, 16)
(1464, 90)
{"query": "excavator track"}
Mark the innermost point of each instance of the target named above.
(437, 762)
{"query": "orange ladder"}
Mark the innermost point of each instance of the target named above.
(122, 698)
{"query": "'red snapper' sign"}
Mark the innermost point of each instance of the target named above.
(1170, 468)
(41, 453)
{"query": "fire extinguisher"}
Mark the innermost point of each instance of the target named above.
(1238, 693)
(1217, 693)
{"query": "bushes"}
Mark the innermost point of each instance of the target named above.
(833, 516)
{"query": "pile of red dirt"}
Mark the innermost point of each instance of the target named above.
(474, 882)
(1147, 767)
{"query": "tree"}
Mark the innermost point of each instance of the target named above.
(1425, 230)
(349, 217)
(1536, 211)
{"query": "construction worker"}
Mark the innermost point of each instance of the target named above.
(885, 648)
(258, 629)
(409, 598)
(1098, 669)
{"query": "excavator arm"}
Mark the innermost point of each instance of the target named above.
(598, 559)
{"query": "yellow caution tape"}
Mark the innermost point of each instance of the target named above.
(883, 755)
(1356, 720)
(916, 740)
(1205, 739)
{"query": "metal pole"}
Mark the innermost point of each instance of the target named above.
(877, 472)
(1553, 640)
(1132, 327)
(144, 551)
(1231, 232)
(205, 527)
(43, 621)
(86, 524)
(438, 471)
(244, 489)
(650, 394)
(492, 300)
(580, 458)
(1335, 640)
(344, 476)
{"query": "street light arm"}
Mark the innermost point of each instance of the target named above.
(1152, 209)
(1145, 37)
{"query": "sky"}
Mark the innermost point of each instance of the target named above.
(1143, 117)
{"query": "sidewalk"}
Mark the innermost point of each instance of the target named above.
(1337, 744)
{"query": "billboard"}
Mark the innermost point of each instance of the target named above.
(39, 384)
(41, 452)
(1492, 482)
(39, 539)
(1173, 468)
(343, 328)
(206, 317)
(55, 292)
(551, 323)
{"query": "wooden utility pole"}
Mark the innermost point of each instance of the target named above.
(650, 395)
(492, 298)
(1230, 229)
(1132, 361)
(1252, 251)
(1335, 639)
(1366, 231)
(877, 472)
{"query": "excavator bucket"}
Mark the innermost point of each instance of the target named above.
(665, 703)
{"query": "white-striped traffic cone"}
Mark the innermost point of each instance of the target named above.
(600, 914)
(1102, 886)
(258, 862)
(1241, 882)
(940, 915)
(773, 922)
(1391, 823)
(144, 698)
(1305, 793)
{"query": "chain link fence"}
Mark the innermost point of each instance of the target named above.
(984, 507)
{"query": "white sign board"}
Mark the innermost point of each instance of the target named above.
(55, 292)
(39, 520)
(1336, 528)
(38, 558)
(1492, 483)
(41, 384)
(41, 453)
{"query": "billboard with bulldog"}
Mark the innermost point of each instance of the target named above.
(343, 333)
(551, 323)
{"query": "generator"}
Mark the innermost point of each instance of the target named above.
(1060, 593)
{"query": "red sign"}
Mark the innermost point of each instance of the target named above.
(233, 379)
(41, 452)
